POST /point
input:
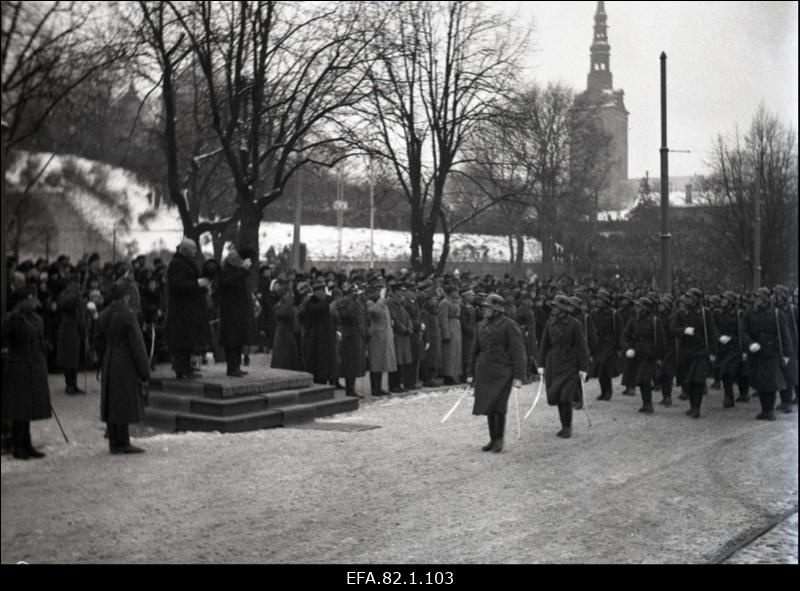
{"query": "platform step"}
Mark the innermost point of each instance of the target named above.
(244, 422)
(308, 412)
(160, 419)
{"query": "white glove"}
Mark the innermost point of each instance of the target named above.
(383, 292)
(785, 361)
(517, 384)
(630, 353)
(422, 326)
(469, 379)
(582, 375)
(724, 339)
(540, 371)
(247, 263)
(754, 348)
(713, 358)
(689, 331)
(203, 282)
(427, 346)
(338, 335)
(744, 356)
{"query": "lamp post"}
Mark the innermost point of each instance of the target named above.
(666, 263)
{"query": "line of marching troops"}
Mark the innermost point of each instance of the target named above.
(421, 331)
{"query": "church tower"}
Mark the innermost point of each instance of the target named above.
(607, 103)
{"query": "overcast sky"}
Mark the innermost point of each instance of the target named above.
(723, 60)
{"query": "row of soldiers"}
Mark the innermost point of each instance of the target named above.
(748, 341)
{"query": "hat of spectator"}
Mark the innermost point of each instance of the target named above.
(120, 288)
(317, 284)
(234, 260)
(576, 302)
(20, 295)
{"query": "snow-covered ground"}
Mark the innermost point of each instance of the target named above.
(156, 229)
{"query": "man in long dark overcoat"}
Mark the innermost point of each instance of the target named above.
(730, 350)
(497, 364)
(697, 347)
(319, 339)
(71, 327)
(26, 394)
(666, 369)
(765, 333)
(235, 311)
(608, 330)
(643, 341)
(125, 368)
(186, 325)
(563, 361)
(401, 331)
(381, 339)
(789, 311)
(352, 358)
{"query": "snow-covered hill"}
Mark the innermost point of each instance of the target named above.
(109, 198)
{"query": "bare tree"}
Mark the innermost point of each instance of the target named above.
(762, 164)
(440, 66)
(47, 50)
(277, 77)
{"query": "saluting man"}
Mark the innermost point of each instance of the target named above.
(497, 362)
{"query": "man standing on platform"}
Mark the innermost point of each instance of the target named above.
(185, 324)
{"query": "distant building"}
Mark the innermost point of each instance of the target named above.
(609, 106)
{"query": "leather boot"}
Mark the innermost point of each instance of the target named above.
(490, 420)
(499, 429)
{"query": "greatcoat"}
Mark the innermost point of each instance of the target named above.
(125, 364)
(381, 338)
(562, 353)
(645, 335)
(693, 363)
(497, 357)
(352, 346)
(286, 351)
(186, 324)
(767, 327)
(70, 328)
(450, 326)
(26, 394)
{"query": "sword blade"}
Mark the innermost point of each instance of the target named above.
(535, 400)
(455, 406)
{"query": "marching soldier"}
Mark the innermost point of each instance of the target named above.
(697, 350)
(606, 323)
(563, 361)
(625, 312)
(580, 314)
(766, 335)
(643, 340)
(731, 354)
(666, 370)
(789, 311)
(497, 362)
(715, 307)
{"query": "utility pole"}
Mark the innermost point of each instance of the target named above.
(371, 216)
(298, 215)
(339, 206)
(666, 262)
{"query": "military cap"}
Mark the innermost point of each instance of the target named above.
(645, 302)
(781, 290)
(730, 296)
(602, 294)
(694, 294)
(495, 302)
(762, 292)
(563, 302)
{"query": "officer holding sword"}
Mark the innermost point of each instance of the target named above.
(496, 365)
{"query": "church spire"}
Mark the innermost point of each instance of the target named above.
(599, 78)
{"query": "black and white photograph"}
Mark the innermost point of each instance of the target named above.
(398, 292)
